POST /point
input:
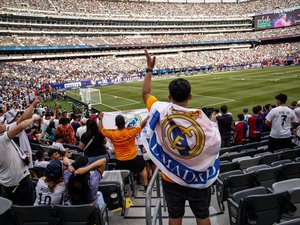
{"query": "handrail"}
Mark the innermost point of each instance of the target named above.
(157, 214)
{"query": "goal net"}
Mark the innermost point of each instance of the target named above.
(91, 95)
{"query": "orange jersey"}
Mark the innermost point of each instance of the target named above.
(149, 102)
(123, 141)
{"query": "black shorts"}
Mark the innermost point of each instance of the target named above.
(176, 195)
(135, 165)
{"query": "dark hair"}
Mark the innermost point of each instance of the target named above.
(281, 97)
(245, 110)
(241, 117)
(255, 110)
(259, 107)
(78, 189)
(91, 128)
(52, 151)
(64, 121)
(39, 154)
(223, 109)
(120, 121)
(267, 106)
(180, 89)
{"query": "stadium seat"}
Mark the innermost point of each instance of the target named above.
(235, 155)
(289, 171)
(33, 215)
(228, 166)
(234, 201)
(269, 158)
(264, 209)
(297, 159)
(5, 216)
(113, 194)
(294, 197)
(266, 177)
(281, 162)
(256, 168)
(286, 185)
(245, 163)
(253, 152)
(289, 154)
(290, 222)
(220, 189)
(81, 215)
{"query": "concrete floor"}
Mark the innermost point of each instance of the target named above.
(135, 215)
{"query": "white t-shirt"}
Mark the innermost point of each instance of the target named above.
(24, 142)
(41, 163)
(45, 197)
(45, 123)
(59, 146)
(297, 112)
(12, 167)
(281, 118)
(80, 131)
(296, 139)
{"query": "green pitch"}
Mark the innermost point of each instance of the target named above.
(237, 89)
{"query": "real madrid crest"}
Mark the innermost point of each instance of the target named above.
(182, 135)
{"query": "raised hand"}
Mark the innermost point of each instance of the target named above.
(150, 60)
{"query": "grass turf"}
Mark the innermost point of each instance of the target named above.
(236, 89)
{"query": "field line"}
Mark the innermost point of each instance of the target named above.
(219, 103)
(227, 99)
(123, 98)
(111, 107)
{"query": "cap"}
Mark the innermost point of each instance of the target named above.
(83, 120)
(54, 170)
(10, 115)
(80, 161)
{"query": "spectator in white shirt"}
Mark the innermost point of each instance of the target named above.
(281, 119)
(81, 130)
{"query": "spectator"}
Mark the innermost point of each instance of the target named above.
(50, 189)
(66, 130)
(177, 148)
(82, 129)
(123, 140)
(255, 123)
(14, 174)
(93, 143)
(83, 182)
(240, 130)
(57, 144)
(296, 139)
(281, 119)
(225, 123)
(54, 154)
(297, 110)
(40, 159)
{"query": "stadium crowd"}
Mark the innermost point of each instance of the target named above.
(147, 9)
(117, 69)
(144, 39)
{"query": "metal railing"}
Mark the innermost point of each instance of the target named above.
(157, 214)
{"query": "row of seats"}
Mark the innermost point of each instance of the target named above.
(248, 158)
(54, 215)
(262, 206)
(233, 181)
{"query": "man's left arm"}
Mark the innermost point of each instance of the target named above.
(29, 111)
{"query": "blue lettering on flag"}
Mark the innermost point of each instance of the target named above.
(188, 175)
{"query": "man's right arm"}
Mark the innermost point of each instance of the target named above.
(146, 90)
(21, 126)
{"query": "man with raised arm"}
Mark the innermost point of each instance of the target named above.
(14, 173)
(185, 145)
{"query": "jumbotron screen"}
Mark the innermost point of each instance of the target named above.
(277, 19)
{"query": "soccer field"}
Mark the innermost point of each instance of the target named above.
(236, 89)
